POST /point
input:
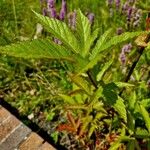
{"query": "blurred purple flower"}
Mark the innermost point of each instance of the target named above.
(125, 7)
(110, 2)
(118, 4)
(132, 13)
(53, 13)
(129, 16)
(63, 10)
(137, 18)
(127, 48)
(122, 58)
(129, 12)
(57, 41)
(51, 8)
(91, 17)
(50, 3)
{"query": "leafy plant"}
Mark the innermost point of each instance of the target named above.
(95, 106)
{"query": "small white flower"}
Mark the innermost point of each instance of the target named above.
(31, 116)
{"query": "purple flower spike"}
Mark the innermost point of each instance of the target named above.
(129, 13)
(117, 4)
(63, 10)
(137, 18)
(125, 7)
(50, 3)
(122, 58)
(57, 41)
(127, 48)
(51, 8)
(129, 16)
(53, 13)
(110, 3)
(91, 17)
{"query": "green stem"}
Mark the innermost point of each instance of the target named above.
(141, 50)
(92, 79)
(15, 17)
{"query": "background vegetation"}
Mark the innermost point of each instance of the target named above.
(100, 107)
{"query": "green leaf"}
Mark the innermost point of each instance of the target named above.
(86, 122)
(82, 83)
(146, 117)
(110, 93)
(131, 145)
(130, 122)
(93, 36)
(36, 49)
(119, 39)
(123, 84)
(145, 102)
(108, 45)
(81, 62)
(103, 70)
(67, 99)
(78, 94)
(96, 95)
(147, 48)
(132, 101)
(115, 145)
(83, 29)
(121, 109)
(102, 40)
(91, 130)
(83, 67)
(55, 136)
(126, 138)
(142, 133)
(50, 116)
(61, 31)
